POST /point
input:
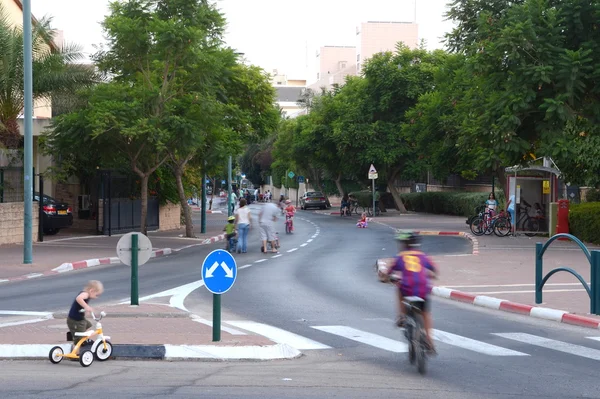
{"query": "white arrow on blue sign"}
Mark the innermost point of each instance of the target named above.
(219, 271)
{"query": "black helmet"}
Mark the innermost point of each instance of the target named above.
(409, 238)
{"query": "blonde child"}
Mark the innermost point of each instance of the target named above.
(76, 320)
(362, 223)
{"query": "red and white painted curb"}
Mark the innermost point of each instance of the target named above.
(484, 301)
(84, 264)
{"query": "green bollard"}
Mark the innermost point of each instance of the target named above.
(216, 317)
(539, 272)
(594, 283)
(134, 270)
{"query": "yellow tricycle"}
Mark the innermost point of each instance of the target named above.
(101, 348)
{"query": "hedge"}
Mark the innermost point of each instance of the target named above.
(448, 203)
(584, 221)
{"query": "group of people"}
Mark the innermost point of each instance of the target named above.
(239, 224)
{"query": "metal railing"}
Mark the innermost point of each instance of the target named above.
(593, 289)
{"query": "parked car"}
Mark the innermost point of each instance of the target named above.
(57, 215)
(313, 199)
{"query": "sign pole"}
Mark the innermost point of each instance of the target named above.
(229, 187)
(134, 270)
(216, 317)
(373, 180)
(28, 133)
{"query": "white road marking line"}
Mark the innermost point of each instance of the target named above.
(260, 261)
(522, 292)
(276, 256)
(293, 249)
(3, 281)
(34, 275)
(309, 240)
(473, 345)
(303, 245)
(559, 346)
(313, 237)
(25, 313)
(507, 285)
(18, 323)
(244, 267)
(365, 337)
(594, 338)
(209, 323)
(278, 335)
(177, 294)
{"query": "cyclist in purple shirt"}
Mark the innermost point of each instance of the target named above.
(417, 270)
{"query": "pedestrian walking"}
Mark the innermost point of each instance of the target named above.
(243, 220)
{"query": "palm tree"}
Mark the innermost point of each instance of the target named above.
(54, 73)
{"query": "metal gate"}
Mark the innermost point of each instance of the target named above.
(118, 206)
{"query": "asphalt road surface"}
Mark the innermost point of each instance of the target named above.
(323, 298)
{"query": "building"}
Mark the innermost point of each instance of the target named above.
(289, 91)
(335, 63)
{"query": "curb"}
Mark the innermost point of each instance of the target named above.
(84, 264)
(163, 352)
(468, 236)
(484, 301)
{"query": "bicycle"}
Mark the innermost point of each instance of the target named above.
(101, 348)
(486, 224)
(354, 208)
(289, 223)
(529, 224)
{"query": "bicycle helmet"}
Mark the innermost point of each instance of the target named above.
(408, 238)
(288, 201)
(231, 218)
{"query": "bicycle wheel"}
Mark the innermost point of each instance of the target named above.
(477, 226)
(533, 227)
(502, 227)
(489, 227)
(369, 211)
(419, 342)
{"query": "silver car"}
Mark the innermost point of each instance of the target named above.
(313, 199)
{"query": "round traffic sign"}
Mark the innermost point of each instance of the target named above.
(219, 271)
(144, 249)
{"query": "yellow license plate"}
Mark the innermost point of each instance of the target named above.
(62, 212)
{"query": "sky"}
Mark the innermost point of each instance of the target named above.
(273, 34)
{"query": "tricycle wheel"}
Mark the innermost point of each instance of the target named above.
(56, 354)
(86, 358)
(103, 354)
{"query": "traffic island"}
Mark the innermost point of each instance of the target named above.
(148, 331)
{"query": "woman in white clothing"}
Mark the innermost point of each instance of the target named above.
(242, 221)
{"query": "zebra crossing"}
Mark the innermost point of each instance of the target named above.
(446, 339)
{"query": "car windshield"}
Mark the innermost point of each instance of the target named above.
(314, 194)
(47, 200)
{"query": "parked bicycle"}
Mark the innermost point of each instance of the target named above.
(486, 223)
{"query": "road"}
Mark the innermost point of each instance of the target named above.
(324, 299)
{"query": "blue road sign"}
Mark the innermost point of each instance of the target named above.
(300, 179)
(223, 182)
(219, 271)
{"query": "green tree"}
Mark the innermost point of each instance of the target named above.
(54, 72)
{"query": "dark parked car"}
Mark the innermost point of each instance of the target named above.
(57, 215)
(313, 199)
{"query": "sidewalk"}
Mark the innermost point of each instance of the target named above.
(75, 250)
(504, 270)
(148, 331)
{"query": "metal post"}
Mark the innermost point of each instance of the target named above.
(229, 212)
(41, 211)
(110, 204)
(28, 133)
(134, 270)
(373, 180)
(594, 283)
(203, 207)
(539, 272)
(216, 317)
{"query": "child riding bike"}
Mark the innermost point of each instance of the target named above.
(290, 211)
(416, 269)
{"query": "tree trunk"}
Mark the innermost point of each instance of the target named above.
(187, 212)
(502, 180)
(144, 222)
(338, 184)
(391, 184)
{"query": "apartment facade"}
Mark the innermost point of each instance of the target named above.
(335, 63)
(289, 91)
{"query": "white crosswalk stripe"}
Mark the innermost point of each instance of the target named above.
(559, 346)
(278, 335)
(473, 345)
(366, 338)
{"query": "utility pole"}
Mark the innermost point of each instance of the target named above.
(229, 213)
(27, 121)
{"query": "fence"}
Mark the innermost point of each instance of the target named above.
(11, 185)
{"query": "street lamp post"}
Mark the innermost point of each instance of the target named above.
(28, 146)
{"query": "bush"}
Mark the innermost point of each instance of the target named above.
(364, 198)
(448, 203)
(593, 195)
(584, 221)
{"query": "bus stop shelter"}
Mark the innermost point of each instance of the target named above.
(534, 187)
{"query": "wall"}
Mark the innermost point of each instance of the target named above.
(377, 37)
(11, 223)
(169, 217)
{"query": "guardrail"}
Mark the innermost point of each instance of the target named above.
(593, 289)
